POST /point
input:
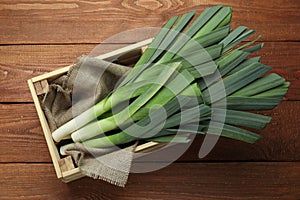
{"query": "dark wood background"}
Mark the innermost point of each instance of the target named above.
(40, 36)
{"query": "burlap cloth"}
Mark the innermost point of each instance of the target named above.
(108, 164)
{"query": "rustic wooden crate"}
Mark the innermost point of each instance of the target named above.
(64, 166)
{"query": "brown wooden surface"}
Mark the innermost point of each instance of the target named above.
(18, 63)
(40, 36)
(255, 180)
(280, 142)
(91, 22)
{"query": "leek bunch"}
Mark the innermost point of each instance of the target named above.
(190, 68)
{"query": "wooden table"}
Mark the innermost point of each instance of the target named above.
(40, 36)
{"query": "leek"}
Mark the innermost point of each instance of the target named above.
(179, 77)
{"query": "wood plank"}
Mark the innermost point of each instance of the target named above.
(22, 140)
(21, 62)
(27, 22)
(21, 136)
(263, 180)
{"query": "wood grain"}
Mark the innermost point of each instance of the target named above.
(22, 139)
(40, 36)
(78, 21)
(177, 181)
(21, 136)
(21, 62)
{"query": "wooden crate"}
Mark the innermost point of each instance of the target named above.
(64, 166)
